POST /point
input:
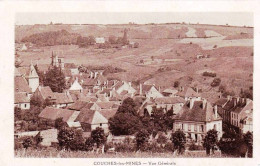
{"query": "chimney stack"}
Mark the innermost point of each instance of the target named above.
(216, 111)
(141, 90)
(204, 103)
(191, 103)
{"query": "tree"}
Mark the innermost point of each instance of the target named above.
(92, 40)
(55, 79)
(126, 120)
(176, 84)
(178, 139)
(89, 144)
(210, 141)
(98, 136)
(70, 138)
(125, 40)
(248, 139)
(27, 142)
(141, 138)
(59, 123)
(112, 40)
(215, 82)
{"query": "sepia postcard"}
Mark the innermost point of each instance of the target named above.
(116, 83)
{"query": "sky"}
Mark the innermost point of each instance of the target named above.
(216, 18)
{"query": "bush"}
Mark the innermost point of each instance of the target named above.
(209, 74)
(195, 147)
(32, 127)
(215, 82)
(124, 147)
(141, 138)
(27, 142)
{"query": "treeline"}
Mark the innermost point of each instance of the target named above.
(52, 38)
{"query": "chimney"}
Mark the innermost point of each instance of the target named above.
(141, 89)
(102, 88)
(216, 111)
(248, 101)
(204, 103)
(130, 84)
(67, 93)
(91, 74)
(159, 89)
(110, 93)
(95, 75)
(191, 103)
(235, 101)
(229, 97)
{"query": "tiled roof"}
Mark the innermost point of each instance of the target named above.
(21, 85)
(197, 113)
(221, 101)
(146, 88)
(188, 92)
(78, 105)
(46, 92)
(108, 113)
(105, 105)
(21, 98)
(169, 100)
(63, 98)
(91, 117)
(54, 113)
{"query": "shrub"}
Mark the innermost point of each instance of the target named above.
(123, 147)
(27, 142)
(98, 136)
(32, 127)
(193, 146)
(209, 74)
(215, 82)
(178, 139)
(176, 84)
(89, 144)
(141, 138)
(215, 46)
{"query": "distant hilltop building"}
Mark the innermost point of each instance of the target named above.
(100, 40)
(57, 59)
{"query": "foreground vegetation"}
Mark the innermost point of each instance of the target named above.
(52, 152)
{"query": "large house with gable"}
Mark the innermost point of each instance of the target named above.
(196, 118)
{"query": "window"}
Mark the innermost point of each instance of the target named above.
(100, 124)
(201, 128)
(182, 126)
(189, 127)
(24, 105)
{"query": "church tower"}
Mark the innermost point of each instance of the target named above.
(33, 78)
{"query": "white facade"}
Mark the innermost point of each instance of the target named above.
(153, 93)
(23, 106)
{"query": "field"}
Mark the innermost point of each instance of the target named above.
(32, 153)
(171, 46)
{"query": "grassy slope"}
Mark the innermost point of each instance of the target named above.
(232, 64)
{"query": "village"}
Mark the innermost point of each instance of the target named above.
(89, 101)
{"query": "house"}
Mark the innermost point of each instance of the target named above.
(187, 93)
(169, 92)
(76, 86)
(21, 85)
(124, 87)
(149, 91)
(241, 115)
(91, 119)
(196, 118)
(31, 76)
(100, 40)
(63, 99)
(219, 104)
(68, 116)
(22, 101)
(49, 137)
(78, 105)
(199, 56)
(43, 93)
(230, 104)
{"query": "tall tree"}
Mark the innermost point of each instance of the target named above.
(141, 138)
(55, 79)
(178, 139)
(126, 121)
(210, 140)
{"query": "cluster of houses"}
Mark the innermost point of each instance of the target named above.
(91, 99)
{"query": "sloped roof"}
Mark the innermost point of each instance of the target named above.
(54, 113)
(221, 102)
(229, 105)
(21, 98)
(188, 92)
(169, 100)
(146, 88)
(78, 105)
(21, 85)
(197, 113)
(63, 98)
(76, 86)
(91, 117)
(108, 113)
(46, 92)
(105, 105)
(118, 85)
(170, 90)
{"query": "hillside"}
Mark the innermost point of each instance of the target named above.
(167, 51)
